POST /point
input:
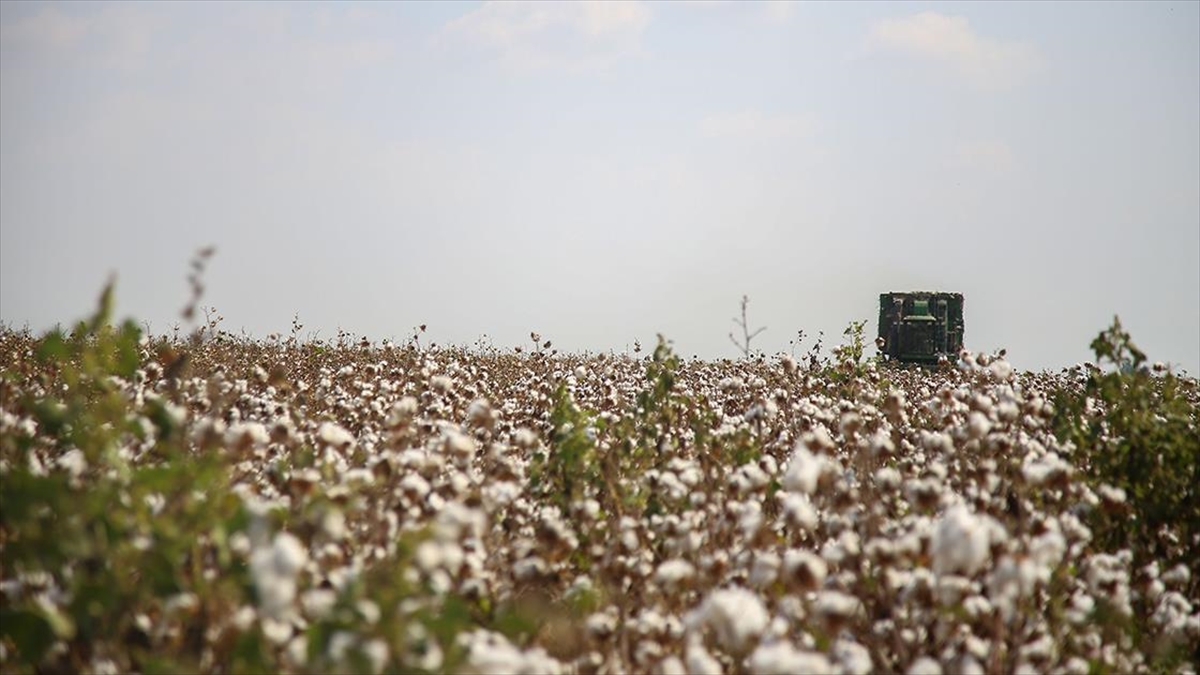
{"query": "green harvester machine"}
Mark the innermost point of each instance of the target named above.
(920, 327)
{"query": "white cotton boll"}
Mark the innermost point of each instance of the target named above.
(377, 654)
(936, 441)
(976, 607)
(452, 557)
(1013, 579)
(952, 588)
(671, 665)
(1079, 612)
(402, 411)
(736, 617)
(73, 462)
(887, 478)
(368, 610)
(1074, 666)
(1046, 469)
(333, 524)
(751, 519)
(456, 521)
(318, 602)
(969, 665)
(782, 658)
(335, 435)
(1110, 494)
(244, 618)
(836, 605)
(854, 658)
(1001, 370)
(650, 622)
(881, 444)
(765, 570)
(1172, 613)
(755, 477)
(1178, 576)
(961, 542)
(489, 652)
(798, 511)
(428, 556)
(246, 435)
(804, 568)
(277, 632)
(699, 661)
(479, 412)
(288, 555)
(459, 482)
(691, 475)
(525, 438)
(629, 540)
(978, 424)
(601, 625)
(1048, 549)
(457, 443)
(1040, 650)
(924, 666)
(499, 494)
(673, 572)
(529, 569)
(804, 471)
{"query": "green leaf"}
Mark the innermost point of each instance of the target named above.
(30, 631)
(53, 347)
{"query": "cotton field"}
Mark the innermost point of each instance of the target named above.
(229, 505)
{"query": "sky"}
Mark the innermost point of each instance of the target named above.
(604, 172)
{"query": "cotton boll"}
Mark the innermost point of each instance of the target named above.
(699, 661)
(978, 424)
(961, 542)
(887, 478)
(804, 570)
(836, 606)
(765, 570)
(804, 471)
(672, 573)
(798, 511)
(854, 658)
(782, 658)
(335, 436)
(458, 443)
(735, 616)
(924, 666)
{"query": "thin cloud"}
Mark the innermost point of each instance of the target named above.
(48, 29)
(754, 125)
(951, 41)
(778, 11)
(587, 35)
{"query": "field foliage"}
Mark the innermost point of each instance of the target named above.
(215, 503)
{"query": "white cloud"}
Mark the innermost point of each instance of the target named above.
(950, 40)
(47, 29)
(982, 155)
(587, 35)
(779, 11)
(753, 125)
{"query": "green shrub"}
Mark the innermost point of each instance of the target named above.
(118, 540)
(1136, 428)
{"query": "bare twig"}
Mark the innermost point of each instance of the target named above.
(747, 335)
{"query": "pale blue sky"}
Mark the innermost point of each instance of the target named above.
(603, 172)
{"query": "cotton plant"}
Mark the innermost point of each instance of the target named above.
(449, 509)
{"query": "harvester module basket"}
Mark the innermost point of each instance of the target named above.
(921, 326)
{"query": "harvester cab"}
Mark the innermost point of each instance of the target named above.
(920, 327)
